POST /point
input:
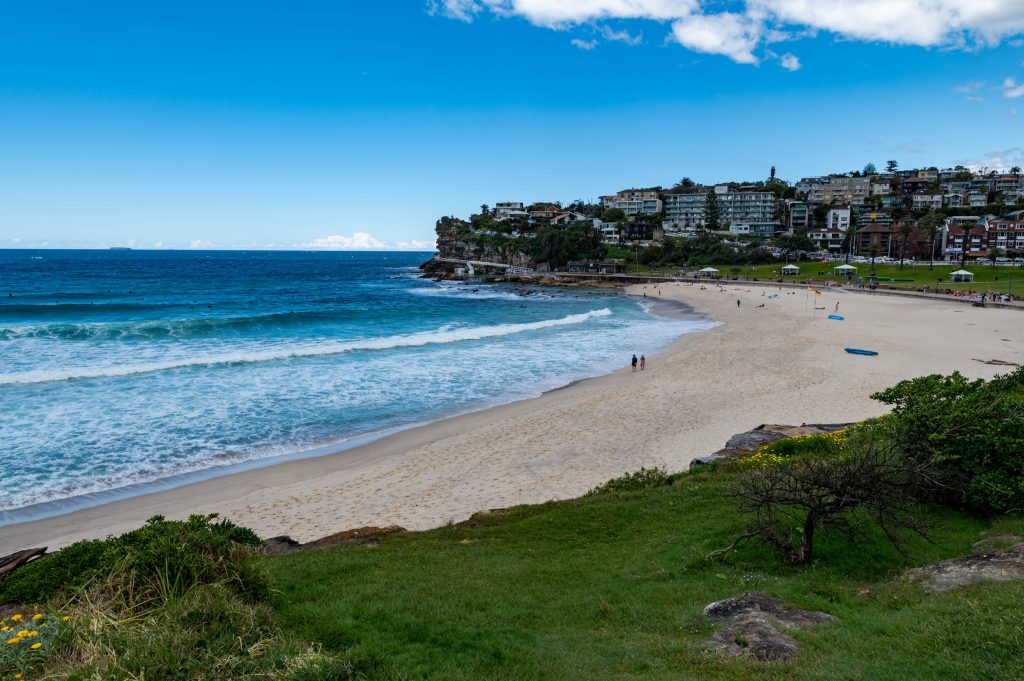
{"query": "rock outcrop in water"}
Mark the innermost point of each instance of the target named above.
(457, 243)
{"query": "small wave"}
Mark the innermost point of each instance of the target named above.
(56, 309)
(166, 328)
(293, 352)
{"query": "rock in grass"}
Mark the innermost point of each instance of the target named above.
(367, 536)
(991, 565)
(753, 625)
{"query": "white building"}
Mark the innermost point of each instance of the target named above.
(838, 219)
(686, 211)
(503, 209)
(927, 200)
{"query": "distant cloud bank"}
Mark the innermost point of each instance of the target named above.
(743, 34)
(364, 241)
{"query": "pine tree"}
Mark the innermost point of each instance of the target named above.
(712, 212)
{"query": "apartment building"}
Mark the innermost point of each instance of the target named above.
(926, 200)
(635, 202)
(799, 215)
(685, 211)
(1006, 234)
(845, 190)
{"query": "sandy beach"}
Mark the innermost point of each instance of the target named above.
(780, 363)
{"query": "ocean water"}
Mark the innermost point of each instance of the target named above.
(120, 368)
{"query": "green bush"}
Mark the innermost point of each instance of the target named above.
(162, 559)
(972, 431)
(641, 479)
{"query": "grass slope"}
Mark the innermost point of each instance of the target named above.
(612, 586)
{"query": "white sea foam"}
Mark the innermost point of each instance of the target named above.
(291, 351)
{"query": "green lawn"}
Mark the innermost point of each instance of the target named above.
(612, 586)
(986, 277)
(1003, 279)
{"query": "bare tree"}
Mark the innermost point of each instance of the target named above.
(869, 483)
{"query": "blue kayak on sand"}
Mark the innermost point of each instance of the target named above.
(859, 351)
(835, 316)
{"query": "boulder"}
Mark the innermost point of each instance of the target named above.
(753, 626)
(367, 536)
(991, 564)
(745, 444)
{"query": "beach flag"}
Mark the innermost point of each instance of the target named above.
(816, 291)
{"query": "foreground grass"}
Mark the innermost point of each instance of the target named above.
(613, 585)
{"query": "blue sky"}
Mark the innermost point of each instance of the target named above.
(340, 124)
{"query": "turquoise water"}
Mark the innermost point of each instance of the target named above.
(120, 368)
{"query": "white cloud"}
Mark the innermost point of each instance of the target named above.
(620, 36)
(790, 62)
(415, 245)
(968, 87)
(996, 160)
(584, 44)
(364, 241)
(358, 241)
(727, 33)
(200, 244)
(1012, 89)
(738, 33)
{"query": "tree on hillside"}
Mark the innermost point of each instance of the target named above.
(772, 175)
(790, 502)
(550, 247)
(967, 227)
(1015, 171)
(613, 215)
(994, 254)
(931, 225)
(905, 230)
(684, 184)
(485, 210)
(870, 169)
(891, 166)
(874, 251)
(712, 212)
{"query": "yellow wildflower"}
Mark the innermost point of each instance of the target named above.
(23, 633)
(16, 618)
(12, 641)
(66, 618)
(33, 633)
(37, 616)
(19, 675)
(37, 646)
(5, 628)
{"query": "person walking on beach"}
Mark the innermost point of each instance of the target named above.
(634, 362)
(737, 302)
(643, 362)
(837, 306)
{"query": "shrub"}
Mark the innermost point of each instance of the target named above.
(824, 444)
(641, 479)
(972, 431)
(162, 559)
